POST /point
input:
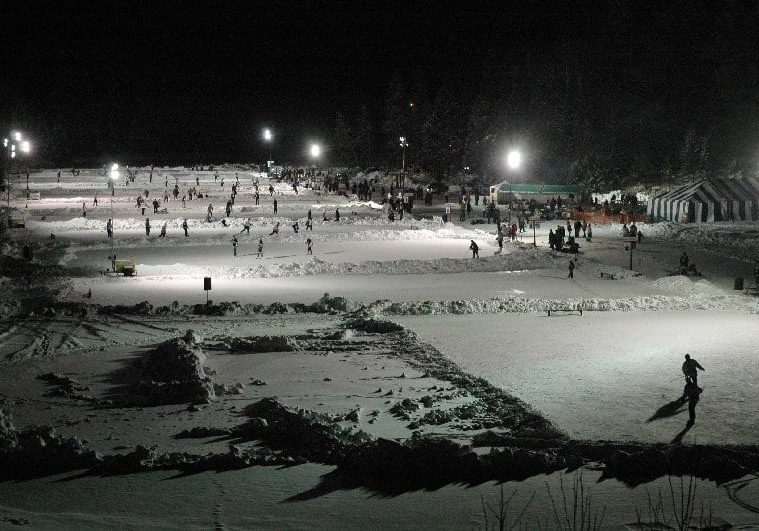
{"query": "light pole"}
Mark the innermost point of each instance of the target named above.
(14, 147)
(316, 151)
(268, 138)
(404, 145)
(513, 161)
(114, 176)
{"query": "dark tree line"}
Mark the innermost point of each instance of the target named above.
(648, 98)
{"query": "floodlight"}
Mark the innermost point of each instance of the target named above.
(26, 146)
(315, 150)
(267, 135)
(514, 159)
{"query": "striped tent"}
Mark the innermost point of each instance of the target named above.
(708, 200)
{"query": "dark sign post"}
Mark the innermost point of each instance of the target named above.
(631, 241)
(534, 220)
(207, 286)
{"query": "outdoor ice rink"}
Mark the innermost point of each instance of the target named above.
(601, 375)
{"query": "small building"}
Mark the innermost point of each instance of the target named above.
(506, 192)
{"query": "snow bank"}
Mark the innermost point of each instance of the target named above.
(699, 301)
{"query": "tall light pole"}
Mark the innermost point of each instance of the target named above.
(14, 147)
(404, 145)
(513, 161)
(114, 176)
(268, 136)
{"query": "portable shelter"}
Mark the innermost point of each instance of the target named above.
(504, 192)
(708, 200)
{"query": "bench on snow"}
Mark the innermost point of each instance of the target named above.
(610, 276)
(127, 267)
(564, 310)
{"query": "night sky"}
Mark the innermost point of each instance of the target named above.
(170, 80)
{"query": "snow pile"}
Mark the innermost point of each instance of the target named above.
(684, 285)
(174, 373)
(699, 301)
(256, 344)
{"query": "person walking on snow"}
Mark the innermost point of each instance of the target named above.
(296, 227)
(163, 230)
(337, 215)
(84, 210)
(246, 226)
(691, 368)
(275, 206)
(147, 226)
(184, 227)
(260, 252)
(209, 212)
(109, 228)
(234, 246)
(309, 244)
(571, 269)
(475, 249)
(275, 230)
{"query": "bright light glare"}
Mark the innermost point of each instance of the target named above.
(114, 171)
(267, 135)
(315, 150)
(25, 146)
(17, 135)
(5, 142)
(403, 141)
(514, 159)
(13, 154)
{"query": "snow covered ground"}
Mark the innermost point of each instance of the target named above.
(598, 376)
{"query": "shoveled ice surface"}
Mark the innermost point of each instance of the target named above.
(602, 375)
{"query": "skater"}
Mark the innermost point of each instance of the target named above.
(184, 200)
(109, 228)
(309, 225)
(584, 229)
(246, 226)
(156, 204)
(275, 230)
(499, 239)
(475, 249)
(84, 210)
(296, 227)
(690, 371)
(692, 393)
(258, 198)
(590, 234)
(234, 246)
(551, 239)
(147, 226)
(184, 227)
(309, 217)
(260, 253)
(309, 245)
(271, 190)
(209, 213)
(95, 200)
(337, 215)
(163, 230)
(571, 269)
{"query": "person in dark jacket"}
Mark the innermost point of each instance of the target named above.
(475, 249)
(571, 269)
(691, 368)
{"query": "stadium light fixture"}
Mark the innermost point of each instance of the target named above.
(315, 150)
(267, 135)
(26, 147)
(514, 159)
